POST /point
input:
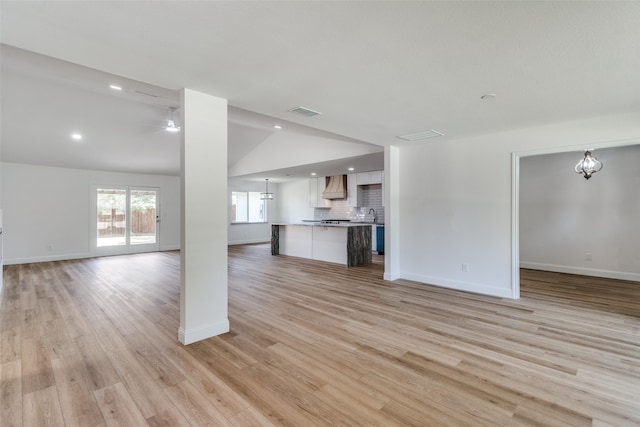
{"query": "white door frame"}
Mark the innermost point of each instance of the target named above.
(127, 248)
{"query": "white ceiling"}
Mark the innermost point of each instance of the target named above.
(375, 70)
(45, 99)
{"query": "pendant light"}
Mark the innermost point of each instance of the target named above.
(171, 125)
(266, 195)
(588, 166)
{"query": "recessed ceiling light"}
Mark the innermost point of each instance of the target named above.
(313, 174)
(277, 127)
(115, 87)
(488, 96)
(351, 169)
(76, 136)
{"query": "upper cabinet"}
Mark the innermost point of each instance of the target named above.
(366, 178)
(352, 190)
(316, 187)
(355, 183)
(355, 189)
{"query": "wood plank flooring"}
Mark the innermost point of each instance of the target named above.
(94, 343)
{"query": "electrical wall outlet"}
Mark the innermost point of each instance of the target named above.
(587, 256)
(465, 267)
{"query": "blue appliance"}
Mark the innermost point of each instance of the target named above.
(380, 239)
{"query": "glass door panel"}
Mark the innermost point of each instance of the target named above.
(143, 217)
(111, 217)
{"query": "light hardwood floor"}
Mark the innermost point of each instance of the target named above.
(93, 342)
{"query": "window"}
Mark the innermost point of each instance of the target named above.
(247, 207)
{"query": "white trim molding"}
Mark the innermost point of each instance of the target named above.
(476, 288)
(202, 332)
(594, 272)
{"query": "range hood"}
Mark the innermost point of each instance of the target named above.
(336, 188)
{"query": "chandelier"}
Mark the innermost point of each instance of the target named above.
(588, 166)
(266, 195)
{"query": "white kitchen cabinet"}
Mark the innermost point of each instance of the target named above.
(296, 241)
(329, 244)
(352, 190)
(313, 192)
(316, 187)
(366, 178)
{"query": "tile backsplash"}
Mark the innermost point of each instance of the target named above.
(371, 199)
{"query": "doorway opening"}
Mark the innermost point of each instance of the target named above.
(569, 265)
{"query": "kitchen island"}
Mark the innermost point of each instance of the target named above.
(347, 243)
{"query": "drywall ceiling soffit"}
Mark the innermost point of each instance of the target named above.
(363, 163)
(289, 149)
(248, 131)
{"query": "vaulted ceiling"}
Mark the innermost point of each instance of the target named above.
(376, 70)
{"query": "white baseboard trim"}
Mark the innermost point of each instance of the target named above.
(391, 276)
(49, 258)
(170, 248)
(475, 288)
(192, 335)
(248, 242)
(67, 257)
(608, 274)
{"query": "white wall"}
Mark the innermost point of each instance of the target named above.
(293, 201)
(253, 233)
(564, 216)
(50, 207)
(455, 200)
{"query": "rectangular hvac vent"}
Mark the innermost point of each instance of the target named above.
(307, 112)
(421, 135)
(145, 93)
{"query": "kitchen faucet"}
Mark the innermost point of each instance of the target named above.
(375, 218)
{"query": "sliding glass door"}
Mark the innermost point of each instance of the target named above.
(112, 217)
(126, 219)
(143, 212)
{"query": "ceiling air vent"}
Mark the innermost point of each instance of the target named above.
(421, 135)
(307, 112)
(144, 93)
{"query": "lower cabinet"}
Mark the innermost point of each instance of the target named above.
(329, 244)
(296, 241)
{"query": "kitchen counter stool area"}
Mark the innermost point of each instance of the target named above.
(347, 244)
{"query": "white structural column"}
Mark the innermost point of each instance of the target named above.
(392, 213)
(203, 276)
